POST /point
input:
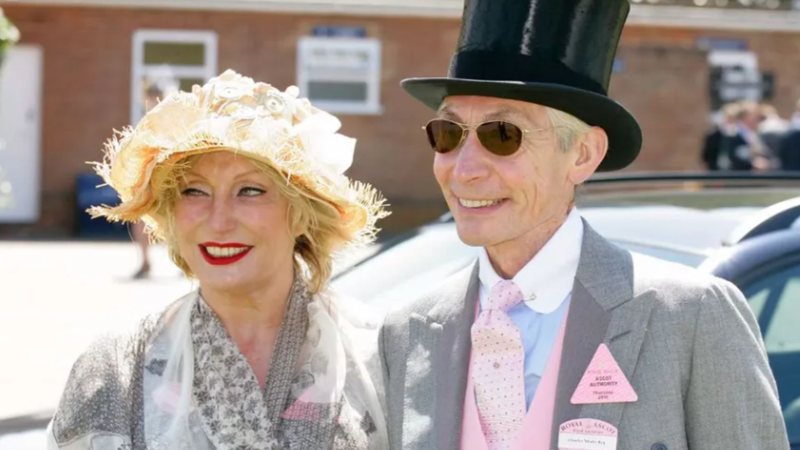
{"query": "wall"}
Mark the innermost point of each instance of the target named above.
(87, 56)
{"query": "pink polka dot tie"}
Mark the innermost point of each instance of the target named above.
(498, 364)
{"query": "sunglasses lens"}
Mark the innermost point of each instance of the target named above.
(500, 138)
(443, 135)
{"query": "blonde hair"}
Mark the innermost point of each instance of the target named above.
(321, 227)
(567, 127)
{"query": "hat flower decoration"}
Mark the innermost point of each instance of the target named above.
(233, 113)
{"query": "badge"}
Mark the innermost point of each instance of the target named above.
(587, 434)
(603, 381)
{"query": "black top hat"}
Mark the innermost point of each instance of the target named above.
(557, 53)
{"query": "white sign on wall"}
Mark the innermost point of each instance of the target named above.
(340, 75)
(20, 134)
(740, 78)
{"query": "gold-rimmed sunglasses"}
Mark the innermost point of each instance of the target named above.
(497, 136)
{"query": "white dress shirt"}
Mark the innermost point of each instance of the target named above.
(546, 284)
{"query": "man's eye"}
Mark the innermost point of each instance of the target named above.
(192, 192)
(251, 191)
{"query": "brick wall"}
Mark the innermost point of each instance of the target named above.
(87, 76)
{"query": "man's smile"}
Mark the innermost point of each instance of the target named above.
(478, 203)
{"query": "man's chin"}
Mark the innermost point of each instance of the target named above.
(475, 238)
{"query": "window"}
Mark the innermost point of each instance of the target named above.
(775, 300)
(165, 61)
(340, 75)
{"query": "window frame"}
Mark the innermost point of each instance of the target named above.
(139, 69)
(370, 106)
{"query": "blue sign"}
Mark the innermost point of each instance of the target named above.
(712, 43)
(619, 66)
(339, 31)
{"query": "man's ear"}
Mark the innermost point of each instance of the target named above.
(589, 151)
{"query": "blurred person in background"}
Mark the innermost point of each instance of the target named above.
(245, 185)
(724, 124)
(153, 95)
(789, 152)
(744, 149)
(772, 130)
(794, 120)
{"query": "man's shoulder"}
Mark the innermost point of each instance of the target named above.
(663, 281)
(677, 287)
(450, 290)
(653, 273)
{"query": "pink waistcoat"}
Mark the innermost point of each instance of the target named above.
(537, 425)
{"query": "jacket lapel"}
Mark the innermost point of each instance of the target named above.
(624, 338)
(436, 365)
(587, 323)
(603, 309)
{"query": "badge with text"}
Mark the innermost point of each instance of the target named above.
(603, 382)
(587, 434)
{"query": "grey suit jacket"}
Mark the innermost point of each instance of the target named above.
(686, 341)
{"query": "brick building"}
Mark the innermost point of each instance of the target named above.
(91, 63)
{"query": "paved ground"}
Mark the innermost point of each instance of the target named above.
(54, 298)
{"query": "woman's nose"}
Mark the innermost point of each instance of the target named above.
(221, 217)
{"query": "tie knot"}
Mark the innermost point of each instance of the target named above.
(505, 295)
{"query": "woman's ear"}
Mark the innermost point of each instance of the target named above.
(297, 223)
(590, 149)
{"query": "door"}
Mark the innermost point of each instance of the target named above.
(20, 134)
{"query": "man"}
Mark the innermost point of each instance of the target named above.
(556, 338)
(789, 151)
(744, 148)
(713, 153)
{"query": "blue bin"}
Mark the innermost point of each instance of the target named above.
(88, 193)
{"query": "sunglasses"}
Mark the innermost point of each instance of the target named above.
(499, 137)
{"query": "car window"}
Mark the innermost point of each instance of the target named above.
(775, 301)
(407, 270)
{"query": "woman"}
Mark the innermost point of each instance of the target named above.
(244, 183)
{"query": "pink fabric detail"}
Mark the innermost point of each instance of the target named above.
(604, 381)
(498, 370)
(167, 396)
(472, 437)
(538, 425)
(300, 410)
(536, 429)
(303, 409)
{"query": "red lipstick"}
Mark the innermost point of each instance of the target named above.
(243, 250)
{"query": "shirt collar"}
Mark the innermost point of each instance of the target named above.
(547, 278)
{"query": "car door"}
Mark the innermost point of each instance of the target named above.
(773, 292)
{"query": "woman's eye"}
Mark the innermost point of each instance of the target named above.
(250, 191)
(192, 192)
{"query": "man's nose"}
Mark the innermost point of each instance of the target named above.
(471, 160)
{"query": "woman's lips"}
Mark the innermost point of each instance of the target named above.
(220, 254)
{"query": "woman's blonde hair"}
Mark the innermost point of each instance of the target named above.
(322, 230)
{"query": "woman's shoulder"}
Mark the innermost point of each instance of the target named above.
(102, 387)
(97, 395)
(109, 353)
(112, 347)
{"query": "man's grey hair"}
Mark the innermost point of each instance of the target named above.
(567, 127)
